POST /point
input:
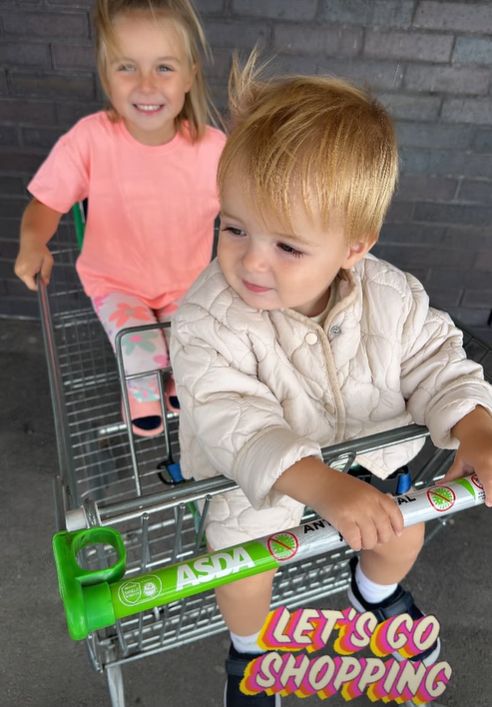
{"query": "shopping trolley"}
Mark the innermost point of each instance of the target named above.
(107, 477)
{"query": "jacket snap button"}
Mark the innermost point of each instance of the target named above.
(335, 330)
(311, 338)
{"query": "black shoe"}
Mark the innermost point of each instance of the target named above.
(400, 602)
(233, 697)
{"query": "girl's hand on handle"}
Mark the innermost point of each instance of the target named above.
(31, 260)
(39, 223)
(363, 515)
(474, 432)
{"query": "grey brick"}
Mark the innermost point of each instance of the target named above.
(445, 162)
(236, 34)
(473, 238)
(53, 85)
(462, 17)
(485, 335)
(12, 207)
(9, 228)
(20, 111)
(484, 260)
(19, 163)
(71, 3)
(408, 107)
(408, 45)
(447, 79)
(27, 55)
(444, 276)
(9, 247)
(422, 187)
(100, 94)
(73, 56)
(475, 191)
(219, 96)
(468, 110)
(469, 316)
(477, 298)
(220, 66)
(46, 24)
(205, 7)
(437, 135)
(9, 136)
(393, 13)
(453, 213)
(317, 40)
(483, 141)
(40, 137)
(374, 75)
(444, 297)
(358, 12)
(478, 166)
(472, 50)
(277, 9)
(290, 64)
(411, 233)
(399, 211)
(11, 185)
(409, 256)
(421, 273)
(351, 41)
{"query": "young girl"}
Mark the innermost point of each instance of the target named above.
(295, 338)
(147, 166)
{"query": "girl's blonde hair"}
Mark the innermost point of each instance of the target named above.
(313, 141)
(198, 108)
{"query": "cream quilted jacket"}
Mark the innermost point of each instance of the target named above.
(260, 390)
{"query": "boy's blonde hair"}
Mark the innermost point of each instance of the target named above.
(198, 107)
(313, 141)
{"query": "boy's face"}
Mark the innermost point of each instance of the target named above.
(149, 78)
(270, 269)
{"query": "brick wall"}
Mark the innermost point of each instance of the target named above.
(428, 61)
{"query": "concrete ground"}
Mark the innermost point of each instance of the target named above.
(40, 666)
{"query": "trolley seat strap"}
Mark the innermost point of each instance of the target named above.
(400, 481)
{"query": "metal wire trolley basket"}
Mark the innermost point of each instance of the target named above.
(108, 477)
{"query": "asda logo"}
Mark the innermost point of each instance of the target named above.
(210, 567)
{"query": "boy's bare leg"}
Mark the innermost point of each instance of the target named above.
(390, 562)
(246, 603)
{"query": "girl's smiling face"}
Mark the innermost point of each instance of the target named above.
(270, 269)
(149, 77)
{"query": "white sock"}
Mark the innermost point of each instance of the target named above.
(246, 644)
(371, 591)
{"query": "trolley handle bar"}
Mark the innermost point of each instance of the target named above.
(96, 599)
(108, 513)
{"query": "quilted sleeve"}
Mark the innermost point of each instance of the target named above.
(438, 382)
(235, 419)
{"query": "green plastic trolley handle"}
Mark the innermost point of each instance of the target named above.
(85, 593)
(96, 599)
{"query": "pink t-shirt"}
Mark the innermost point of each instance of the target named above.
(149, 227)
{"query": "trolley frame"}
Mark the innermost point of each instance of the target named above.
(108, 477)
